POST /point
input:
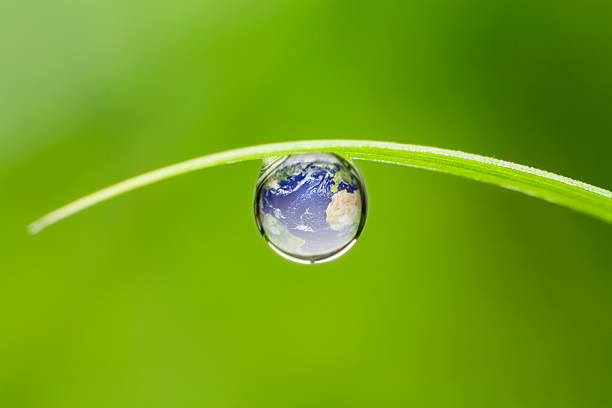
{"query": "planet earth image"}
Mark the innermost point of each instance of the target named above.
(310, 207)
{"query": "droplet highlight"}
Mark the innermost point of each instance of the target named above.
(310, 207)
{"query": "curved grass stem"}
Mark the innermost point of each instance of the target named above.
(564, 191)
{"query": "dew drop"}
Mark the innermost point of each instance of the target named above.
(310, 207)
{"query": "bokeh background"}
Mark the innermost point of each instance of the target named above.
(458, 294)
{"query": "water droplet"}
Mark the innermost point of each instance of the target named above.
(310, 207)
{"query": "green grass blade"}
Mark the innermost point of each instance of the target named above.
(564, 191)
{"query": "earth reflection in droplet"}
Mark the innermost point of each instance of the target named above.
(310, 207)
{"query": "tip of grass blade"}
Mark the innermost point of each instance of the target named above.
(34, 228)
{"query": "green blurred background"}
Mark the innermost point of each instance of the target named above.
(458, 294)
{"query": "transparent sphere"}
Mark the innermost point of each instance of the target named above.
(310, 207)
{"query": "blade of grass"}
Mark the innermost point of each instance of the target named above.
(564, 191)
